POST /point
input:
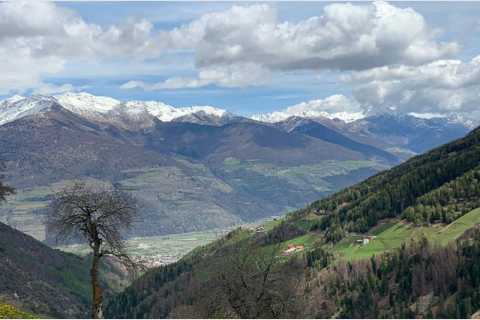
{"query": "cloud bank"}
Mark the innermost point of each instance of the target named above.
(439, 87)
(345, 37)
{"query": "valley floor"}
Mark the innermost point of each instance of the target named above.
(161, 250)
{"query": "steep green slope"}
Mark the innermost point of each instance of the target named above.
(255, 268)
(392, 235)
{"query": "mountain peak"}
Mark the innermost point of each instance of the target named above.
(82, 102)
(18, 107)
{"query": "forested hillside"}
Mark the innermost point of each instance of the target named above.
(406, 189)
(404, 243)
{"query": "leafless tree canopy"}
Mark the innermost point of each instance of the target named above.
(255, 286)
(99, 213)
(93, 210)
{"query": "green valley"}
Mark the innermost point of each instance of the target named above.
(362, 236)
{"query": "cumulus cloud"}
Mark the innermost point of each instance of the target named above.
(235, 75)
(37, 39)
(439, 87)
(344, 37)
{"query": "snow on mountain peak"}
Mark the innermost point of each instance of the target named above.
(17, 107)
(333, 107)
(166, 113)
(84, 102)
(13, 99)
(100, 108)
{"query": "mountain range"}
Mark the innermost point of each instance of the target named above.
(193, 168)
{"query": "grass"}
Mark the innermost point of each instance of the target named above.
(393, 234)
(10, 312)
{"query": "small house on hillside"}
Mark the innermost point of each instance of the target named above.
(365, 240)
(292, 248)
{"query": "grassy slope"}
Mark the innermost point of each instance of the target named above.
(389, 235)
(393, 235)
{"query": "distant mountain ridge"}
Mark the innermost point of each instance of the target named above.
(99, 108)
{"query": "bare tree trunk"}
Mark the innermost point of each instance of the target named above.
(96, 289)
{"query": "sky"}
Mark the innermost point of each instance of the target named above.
(249, 57)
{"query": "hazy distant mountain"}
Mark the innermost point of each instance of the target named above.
(409, 132)
(317, 130)
(402, 135)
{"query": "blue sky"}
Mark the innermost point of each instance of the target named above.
(280, 83)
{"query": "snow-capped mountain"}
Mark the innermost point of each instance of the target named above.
(320, 108)
(279, 116)
(18, 107)
(103, 109)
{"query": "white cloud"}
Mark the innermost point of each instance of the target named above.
(439, 87)
(344, 37)
(38, 38)
(235, 75)
(49, 88)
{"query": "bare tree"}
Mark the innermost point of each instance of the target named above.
(255, 285)
(99, 213)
